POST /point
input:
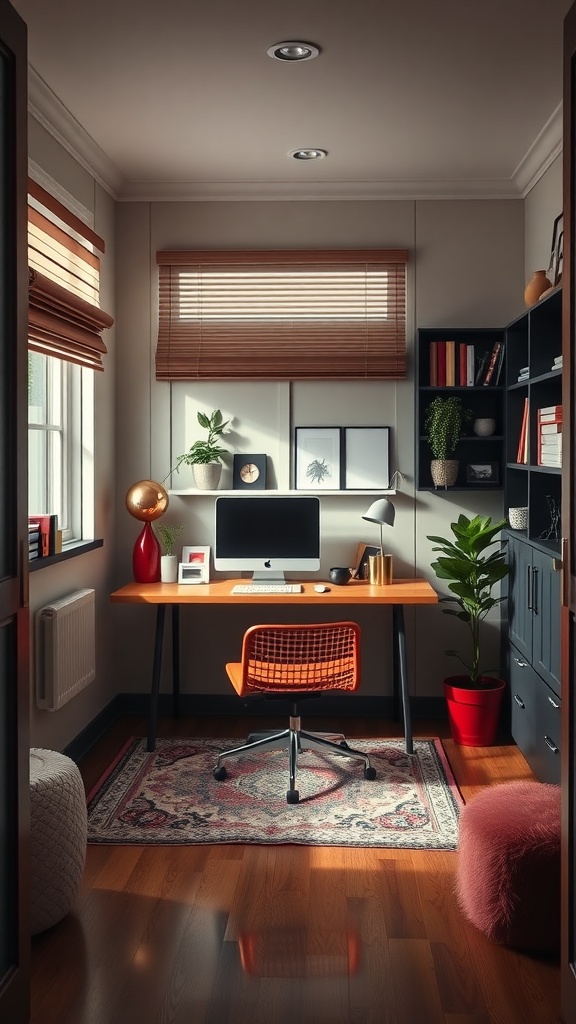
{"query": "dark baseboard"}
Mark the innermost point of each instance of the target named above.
(433, 708)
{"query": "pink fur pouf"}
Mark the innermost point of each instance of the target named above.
(508, 876)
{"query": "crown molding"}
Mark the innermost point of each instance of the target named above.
(543, 151)
(48, 110)
(51, 113)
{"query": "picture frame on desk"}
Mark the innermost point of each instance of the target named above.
(363, 553)
(317, 459)
(483, 473)
(366, 458)
(195, 564)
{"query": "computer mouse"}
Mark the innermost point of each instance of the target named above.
(320, 588)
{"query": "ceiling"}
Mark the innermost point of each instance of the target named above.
(412, 99)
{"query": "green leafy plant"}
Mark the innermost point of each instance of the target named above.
(203, 452)
(472, 573)
(168, 535)
(445, 418)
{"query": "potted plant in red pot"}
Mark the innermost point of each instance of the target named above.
(472, 571)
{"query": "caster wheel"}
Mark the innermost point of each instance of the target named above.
(370, 773)
(220, 773)
(344, 745)
(292, 796)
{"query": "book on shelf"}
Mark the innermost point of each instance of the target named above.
(433, 354)
(450, 364)
(522, 453)
(441, 363)
(553, 461)
(522, 376)
(492, 363)
(470, 361)
(462, 364)
(550, 414)
(499, 365)
(551, 428)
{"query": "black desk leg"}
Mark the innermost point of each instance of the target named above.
(153, 712)
(401, 666)
(176, 660)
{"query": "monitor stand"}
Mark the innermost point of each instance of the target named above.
(268, 576)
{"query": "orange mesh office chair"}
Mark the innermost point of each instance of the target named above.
(296, 662)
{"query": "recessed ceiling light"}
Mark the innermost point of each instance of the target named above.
(293, 51)
(308, 154)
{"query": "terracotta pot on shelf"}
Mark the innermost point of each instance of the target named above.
(536, 287)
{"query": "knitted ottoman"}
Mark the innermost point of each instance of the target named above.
(508, 876)
(58, 836)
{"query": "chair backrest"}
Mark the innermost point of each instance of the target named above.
(319, 656)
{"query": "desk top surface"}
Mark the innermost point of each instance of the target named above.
(405, 592)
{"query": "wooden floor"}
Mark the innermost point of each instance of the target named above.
(283, 935)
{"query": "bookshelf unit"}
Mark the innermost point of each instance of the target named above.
(483, 401)
(533, 342)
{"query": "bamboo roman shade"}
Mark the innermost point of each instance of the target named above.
(282, 315)
(64, 315)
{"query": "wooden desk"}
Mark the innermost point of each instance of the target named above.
(397, 595)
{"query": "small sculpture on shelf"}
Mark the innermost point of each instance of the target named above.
(553, 530)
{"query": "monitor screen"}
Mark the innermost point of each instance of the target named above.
(267, 536)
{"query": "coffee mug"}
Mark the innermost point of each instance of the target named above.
(340, 575)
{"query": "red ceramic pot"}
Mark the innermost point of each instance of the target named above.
(473, 714)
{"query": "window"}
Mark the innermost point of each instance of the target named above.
(282, 315)
(65, 344)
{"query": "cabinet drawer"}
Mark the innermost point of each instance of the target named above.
(523, 681)
(547, 751)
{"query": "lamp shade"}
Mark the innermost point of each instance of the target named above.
(382, 512)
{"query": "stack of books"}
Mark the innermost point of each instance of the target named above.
(550, 436)
(42, 535)
(523, 373)
(557, 364)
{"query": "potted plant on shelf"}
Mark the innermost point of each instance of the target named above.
(168, 534)
(205, 457)
(473, 698)
(443, 423)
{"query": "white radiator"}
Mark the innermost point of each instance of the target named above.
(66, 649)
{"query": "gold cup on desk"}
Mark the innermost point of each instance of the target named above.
(380, 569)
(382, 512)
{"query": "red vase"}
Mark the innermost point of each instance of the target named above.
(146, 556)
(473, 714)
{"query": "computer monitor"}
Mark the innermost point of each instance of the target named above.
(267, 536)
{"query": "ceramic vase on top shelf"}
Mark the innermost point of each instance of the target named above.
(536, 287)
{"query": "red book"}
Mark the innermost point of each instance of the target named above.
(522, 454)
(441, 364)
(433, 364)
(463, 349)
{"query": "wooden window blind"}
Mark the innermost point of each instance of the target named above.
(64, 315)
(282, 315)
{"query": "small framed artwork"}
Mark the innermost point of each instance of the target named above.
(195, 565)
(482, 473)
(249, 473)
(366, 458)
(361, 567)
(317, 458)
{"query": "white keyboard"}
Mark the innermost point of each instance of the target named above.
(267, 588)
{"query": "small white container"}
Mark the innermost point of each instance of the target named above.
(518, 518)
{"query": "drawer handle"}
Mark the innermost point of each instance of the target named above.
(553, 703)
(521, 664)
(519, 702)
(549, 743)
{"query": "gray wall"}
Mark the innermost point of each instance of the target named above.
(468, 266)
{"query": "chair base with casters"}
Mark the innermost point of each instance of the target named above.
(296, 662)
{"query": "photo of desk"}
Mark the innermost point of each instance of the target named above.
(397, 595)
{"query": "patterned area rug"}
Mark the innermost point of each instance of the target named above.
(170, 797)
